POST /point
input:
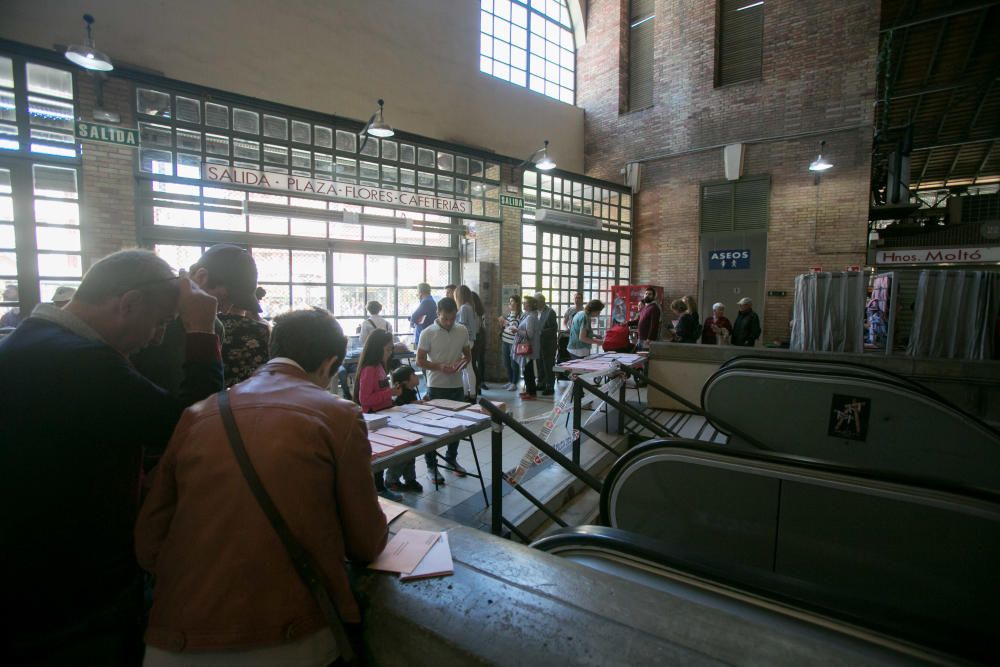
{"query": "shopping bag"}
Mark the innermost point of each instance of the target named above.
(469, 380)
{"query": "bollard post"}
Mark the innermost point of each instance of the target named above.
(496, 463)
(577, 423)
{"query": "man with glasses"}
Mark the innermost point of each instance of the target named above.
(228, 273)
(69, 486)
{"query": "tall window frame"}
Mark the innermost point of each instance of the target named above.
(529, 43)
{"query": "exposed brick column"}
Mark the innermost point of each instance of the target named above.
(108, 206)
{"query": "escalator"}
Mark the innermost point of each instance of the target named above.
(892, 560)
(853, 415)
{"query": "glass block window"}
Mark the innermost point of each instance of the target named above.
(559, 261)
(179, 133)
(43, 95)
(529, 43)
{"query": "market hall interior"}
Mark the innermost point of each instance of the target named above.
(822, 177)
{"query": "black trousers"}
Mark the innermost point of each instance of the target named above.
(529, 377)
(547, 359)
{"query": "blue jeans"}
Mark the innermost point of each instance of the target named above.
(513, 370)
(453, 394)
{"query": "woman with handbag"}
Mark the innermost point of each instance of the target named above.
(508, 332)
(528, 342)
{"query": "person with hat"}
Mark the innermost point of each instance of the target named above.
(746, 328)
(62, 295)
(228, 273)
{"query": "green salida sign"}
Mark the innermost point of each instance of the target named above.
(514, 202)
(108, 134)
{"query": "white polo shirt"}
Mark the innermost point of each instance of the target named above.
(444, 346)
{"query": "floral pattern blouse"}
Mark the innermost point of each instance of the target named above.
(244, 347)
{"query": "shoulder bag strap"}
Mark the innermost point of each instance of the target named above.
(303, 562)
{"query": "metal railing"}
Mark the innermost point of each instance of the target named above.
(501, 419)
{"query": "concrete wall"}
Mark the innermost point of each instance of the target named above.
(818, 80)
(335, 57)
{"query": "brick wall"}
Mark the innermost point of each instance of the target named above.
(818, 80)
(108, 207)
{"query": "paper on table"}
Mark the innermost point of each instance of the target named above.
(405, 551)
(391, 509)
(448, 404)
(437, 562)
(399, 434)
(470, 416)
(423, 429)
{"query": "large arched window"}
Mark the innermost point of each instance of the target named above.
(529, 43)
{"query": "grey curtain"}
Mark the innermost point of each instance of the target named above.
(955, 315)
(829, 312)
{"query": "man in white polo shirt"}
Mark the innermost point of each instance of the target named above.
(442, 352)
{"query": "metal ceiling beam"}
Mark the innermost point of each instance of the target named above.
(972, 82)
(939, 16)
(956, 143)
(982, 163)
(930, 70)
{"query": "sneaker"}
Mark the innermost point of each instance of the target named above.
(436, 477)
(457, 467)
(412, 485)
(509, 387)
(389, 494)
(525, 396)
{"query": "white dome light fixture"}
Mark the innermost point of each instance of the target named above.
(544, 162)
(820, 164)
(87, 56)
(377, 127)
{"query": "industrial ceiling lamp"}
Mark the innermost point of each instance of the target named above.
(87, 56)
(820, 164)
(376, 126)
(544, 162)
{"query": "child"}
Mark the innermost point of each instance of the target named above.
(406, 382)
(372, 389)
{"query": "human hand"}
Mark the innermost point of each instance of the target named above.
(397, 389)
(196, 308)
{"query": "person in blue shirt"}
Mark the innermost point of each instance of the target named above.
(425, 313)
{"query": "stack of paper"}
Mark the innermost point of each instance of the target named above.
(472, 417)
(446, 423)
(387, 440)
(415, 427)
(375, 421)
(416, 554)
(448, 404)
(478, 408)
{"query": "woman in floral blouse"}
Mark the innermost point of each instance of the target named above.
(244, 346)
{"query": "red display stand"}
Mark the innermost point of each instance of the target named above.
(626, 301)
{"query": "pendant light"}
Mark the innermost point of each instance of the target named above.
(544, 162)
(375, 127)
(87, 56)
(820, 164)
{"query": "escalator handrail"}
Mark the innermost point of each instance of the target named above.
(802, 465)
(671, 559)
(750, 362)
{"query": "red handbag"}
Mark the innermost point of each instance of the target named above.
(522, 349)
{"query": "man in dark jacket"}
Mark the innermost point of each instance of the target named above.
(228, 273)
(746, 328)
(69, 486)
(549, 323)
(649, 319)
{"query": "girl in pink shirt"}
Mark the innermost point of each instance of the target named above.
(372, 389)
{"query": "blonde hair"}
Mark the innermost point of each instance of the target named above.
(691, 304)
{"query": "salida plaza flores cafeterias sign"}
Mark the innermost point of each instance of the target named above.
(967, 255)
(349, 191)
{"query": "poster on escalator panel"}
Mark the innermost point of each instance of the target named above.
(849, 417)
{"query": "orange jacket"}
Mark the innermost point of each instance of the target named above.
(223, 578)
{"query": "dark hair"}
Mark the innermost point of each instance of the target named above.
(517, 300)
(447, 305)
(124, 271)
(402, 374)
(478, 304)
(371, 355)
(594, 306)
(453, 286)
(308, 337)
(374, 307)
(463, 295)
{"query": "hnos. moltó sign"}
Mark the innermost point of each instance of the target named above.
(938, 255)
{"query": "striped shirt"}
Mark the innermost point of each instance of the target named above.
(510, 328)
